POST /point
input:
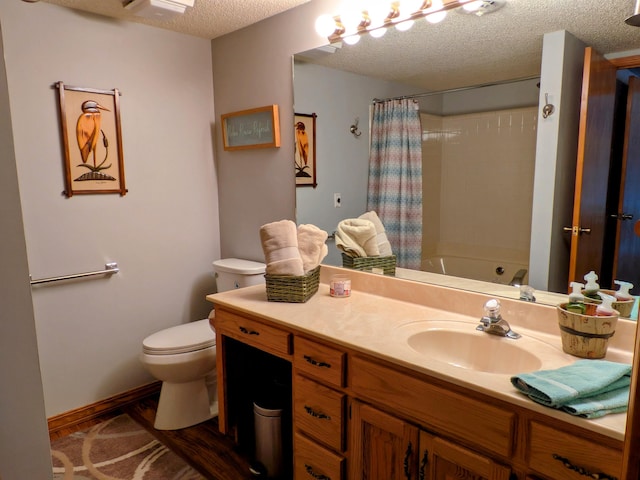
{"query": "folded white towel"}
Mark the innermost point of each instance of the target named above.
(381, 237)
(280, 247)
(357, 237)
(311, 241)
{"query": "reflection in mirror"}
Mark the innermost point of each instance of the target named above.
(478, 193)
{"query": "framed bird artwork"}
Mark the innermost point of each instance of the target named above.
(305, 149)
(92, 140)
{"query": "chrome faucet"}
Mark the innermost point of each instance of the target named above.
(493, 323)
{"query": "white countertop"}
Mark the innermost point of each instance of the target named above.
(378, 324)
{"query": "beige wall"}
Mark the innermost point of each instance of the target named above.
(164, 233)
(24, 440)
(252, 68)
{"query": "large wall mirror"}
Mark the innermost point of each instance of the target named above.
(479, 84)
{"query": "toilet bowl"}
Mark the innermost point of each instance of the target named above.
(184, 357)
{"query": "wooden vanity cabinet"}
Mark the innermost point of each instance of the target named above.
(560, 455)
(355, 417)
(442, 459)
(382, 446)
(319, 406)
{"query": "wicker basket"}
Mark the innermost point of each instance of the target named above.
(366, 264)
(585, 336)
(292, 289)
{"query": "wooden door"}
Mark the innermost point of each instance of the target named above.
(592, 167)
(382, 446)
(443, 460)
(627, 255)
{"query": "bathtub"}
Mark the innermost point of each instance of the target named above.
(506, 273)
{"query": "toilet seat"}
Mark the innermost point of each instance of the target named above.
(188, 337)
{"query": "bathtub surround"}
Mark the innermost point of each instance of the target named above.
(485, 165)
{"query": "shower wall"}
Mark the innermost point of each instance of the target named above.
(478, 184)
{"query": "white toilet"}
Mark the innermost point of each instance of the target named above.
(184, 356)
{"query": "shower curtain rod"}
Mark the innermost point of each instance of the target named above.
(452, 90)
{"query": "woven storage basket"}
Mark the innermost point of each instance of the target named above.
(366, 264)
(585, 336)
(292, 289)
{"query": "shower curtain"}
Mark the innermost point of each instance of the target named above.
(395, 177)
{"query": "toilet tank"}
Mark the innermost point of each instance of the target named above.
(233, 273)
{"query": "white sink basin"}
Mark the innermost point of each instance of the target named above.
(459, 344)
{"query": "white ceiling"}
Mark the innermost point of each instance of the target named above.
(462, 50)
(207, 19)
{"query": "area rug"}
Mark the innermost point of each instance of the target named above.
(117, 449)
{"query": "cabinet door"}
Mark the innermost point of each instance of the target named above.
(382, 446)
(443, 460)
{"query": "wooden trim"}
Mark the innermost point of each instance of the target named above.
(626, 62)
(80, 418)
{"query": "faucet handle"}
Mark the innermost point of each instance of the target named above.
(492, 309)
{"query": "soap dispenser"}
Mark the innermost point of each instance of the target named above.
(576, 299)
(605, 309)
(623, 294)
(591, 287)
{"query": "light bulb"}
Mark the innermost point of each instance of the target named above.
(404, 26)
(351, 15)
(407, 7)
(435, 12)
(436, 17)
(378, 32)
(351, 39)
(325, 25)
(473, 6)
(378, 11)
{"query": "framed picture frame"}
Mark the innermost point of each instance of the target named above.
(304, 125)
(253, 128)
(91, 140)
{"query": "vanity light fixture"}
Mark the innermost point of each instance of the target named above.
(357, 17)
(157, 9)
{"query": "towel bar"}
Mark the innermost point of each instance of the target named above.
(109, 269)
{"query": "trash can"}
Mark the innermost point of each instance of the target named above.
(268, 431)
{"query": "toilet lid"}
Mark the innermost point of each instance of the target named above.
(184, 338)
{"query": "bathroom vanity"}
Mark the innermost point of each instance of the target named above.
(395, 382)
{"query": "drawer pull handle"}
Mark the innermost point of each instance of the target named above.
(313, 413)
(423, 464)
(407, 456)
(316, 363)
(582, 471)
(317, 476)
(248, 332)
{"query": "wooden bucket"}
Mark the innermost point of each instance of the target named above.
(585, 336)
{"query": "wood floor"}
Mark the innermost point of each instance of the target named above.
(201, 446)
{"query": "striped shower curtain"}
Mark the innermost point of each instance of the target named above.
(395, 177)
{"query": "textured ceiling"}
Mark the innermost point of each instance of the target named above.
(462, 50)
(207, 19)
(468, 50)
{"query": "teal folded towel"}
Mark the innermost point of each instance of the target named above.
(588, 388)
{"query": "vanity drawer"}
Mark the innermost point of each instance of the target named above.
(433, 406)
(562, 456)
(311, 461)
(320, 361)
(256, 334)
(318, 411)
